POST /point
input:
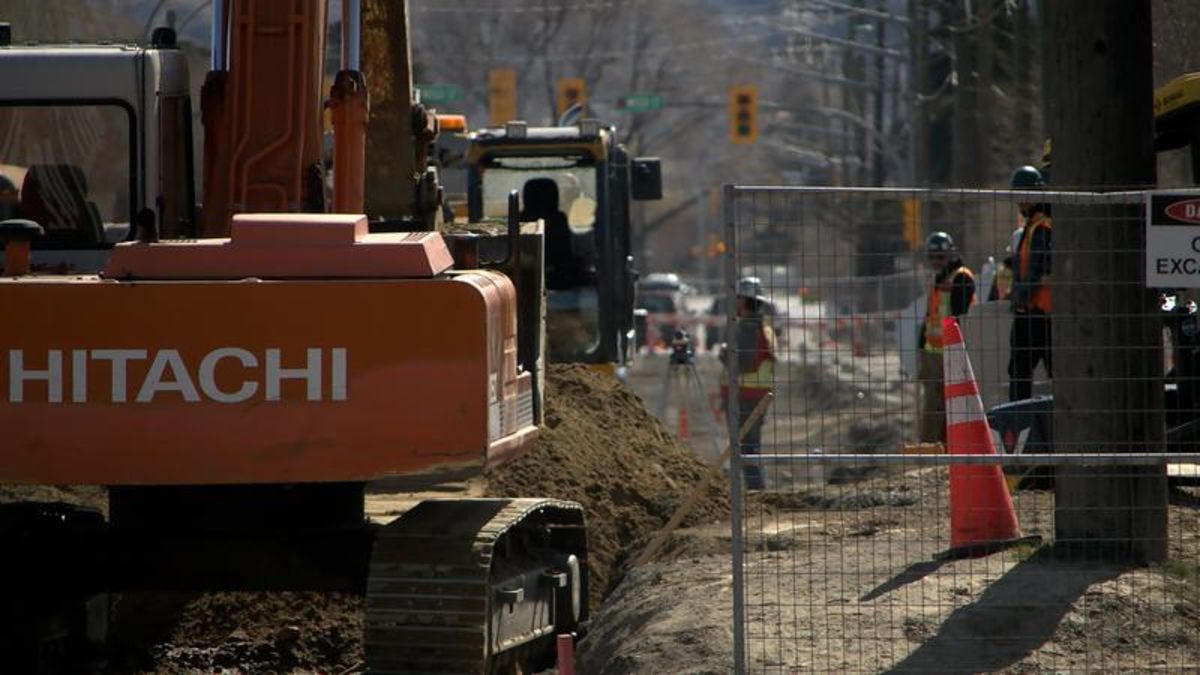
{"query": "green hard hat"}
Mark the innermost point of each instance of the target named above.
(1027, 177)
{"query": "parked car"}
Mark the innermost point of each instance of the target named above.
(662, 294)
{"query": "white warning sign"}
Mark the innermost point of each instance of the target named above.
(1172, 240)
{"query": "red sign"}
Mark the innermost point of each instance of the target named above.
(1187, 211)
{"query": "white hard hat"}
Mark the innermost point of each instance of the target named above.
(750, 287)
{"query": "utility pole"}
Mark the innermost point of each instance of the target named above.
(1107, 350)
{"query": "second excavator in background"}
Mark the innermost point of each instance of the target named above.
(581, 183)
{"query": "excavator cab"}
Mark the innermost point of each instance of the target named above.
(580, 183)
(97, 138)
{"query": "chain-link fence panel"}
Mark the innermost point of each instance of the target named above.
(874, 528)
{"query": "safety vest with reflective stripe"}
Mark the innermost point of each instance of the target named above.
(1039, 298)
(758, 377)
(939, 307)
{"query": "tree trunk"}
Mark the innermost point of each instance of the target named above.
(968, 145)
(1108, 376)
(985, 45)
(878, 129)
(1023, 49)
(918, 15)
(969, 168)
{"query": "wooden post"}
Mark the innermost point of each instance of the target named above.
(714, 470)
(1107, 342)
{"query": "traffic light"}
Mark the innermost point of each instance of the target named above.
(743, 114)
(502, 96)
(571, 90)
(911, 230)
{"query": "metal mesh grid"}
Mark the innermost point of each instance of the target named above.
(839, 556)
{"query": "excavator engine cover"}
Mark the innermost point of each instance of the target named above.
(303, 349)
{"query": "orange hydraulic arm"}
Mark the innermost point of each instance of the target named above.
(261, 106)
(350, 106)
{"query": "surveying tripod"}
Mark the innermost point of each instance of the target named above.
(683, 378)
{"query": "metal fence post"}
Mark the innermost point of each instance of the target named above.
(731, 416)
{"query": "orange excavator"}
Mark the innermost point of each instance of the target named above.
(236, 392)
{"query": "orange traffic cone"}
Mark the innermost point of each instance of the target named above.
(982, 519)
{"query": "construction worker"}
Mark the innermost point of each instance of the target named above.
(565, 270)
(754, 340)
(952, 294)
(1029, 341)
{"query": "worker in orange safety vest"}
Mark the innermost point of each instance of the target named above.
(753, 340)
(952, 294)
(1029, 340)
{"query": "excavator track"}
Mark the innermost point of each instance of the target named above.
(475, 586)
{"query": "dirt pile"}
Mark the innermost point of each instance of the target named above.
(252, 632)
(89, 496)
(602, 448)
(664, 618)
